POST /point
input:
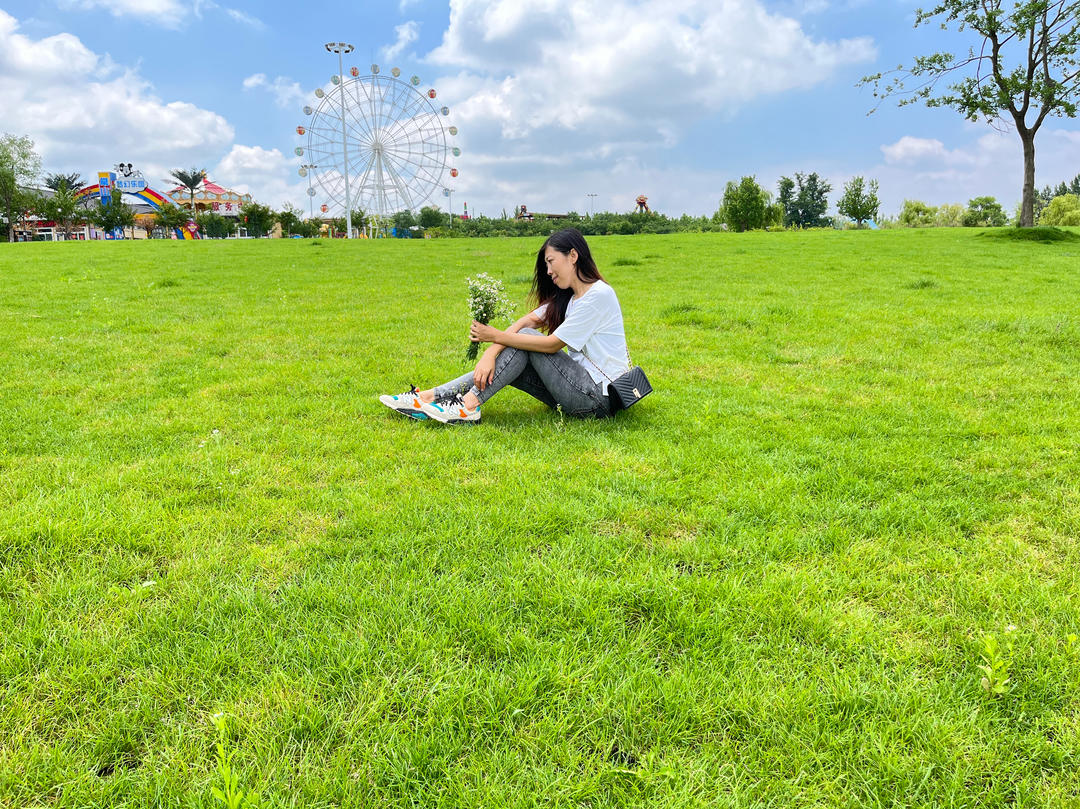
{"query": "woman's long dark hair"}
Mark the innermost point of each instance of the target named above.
(544, 290)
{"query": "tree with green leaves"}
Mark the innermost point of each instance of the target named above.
(19, 166)
(1061, 189)
(190, 180)
(359, 220)
(1023, 67)
(786, 199)
(403, 222)
(1063, 210)
(949, 215)
(290, 219)
(170, 217)
(805, 201)
(214, 225)
(431, 217)
(746, 206)
(860, 201)
(113, 215)
(62, 209)
(917, 214)
(984, 212)
(56, 181)
(258, 219)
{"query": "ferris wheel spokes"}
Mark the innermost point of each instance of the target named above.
(402, 190)
(419, 167)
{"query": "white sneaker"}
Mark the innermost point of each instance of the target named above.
(451, 411)
(407, 403)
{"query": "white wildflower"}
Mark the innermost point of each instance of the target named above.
(487, 301)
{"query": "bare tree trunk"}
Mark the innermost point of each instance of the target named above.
(1027, 210)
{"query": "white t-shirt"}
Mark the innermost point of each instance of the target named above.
(594, 327)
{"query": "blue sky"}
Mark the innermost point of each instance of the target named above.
(554, 99)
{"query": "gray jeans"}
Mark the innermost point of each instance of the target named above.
(554, 379)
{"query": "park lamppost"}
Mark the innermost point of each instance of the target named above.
(305, 171)
(591, 198)
(340, 48)
(449, 194)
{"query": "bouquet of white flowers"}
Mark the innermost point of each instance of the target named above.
(487, 301)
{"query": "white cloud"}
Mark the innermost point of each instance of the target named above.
(570, 60)
(86, 113)
(990, 164)
(242, 161)
(492, 185)
(167, 13)
(909, 151)
(406, 33)
(51, 59)
(263, 173)
(245, 18)
(809, 7)
(285, 91)
(607, 88)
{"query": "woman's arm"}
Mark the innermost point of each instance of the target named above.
(529, 321)
(540, 343)
(485, 368)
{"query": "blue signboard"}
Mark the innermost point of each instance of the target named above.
(130, 185)
(106, 182)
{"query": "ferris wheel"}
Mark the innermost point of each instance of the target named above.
(376, 142)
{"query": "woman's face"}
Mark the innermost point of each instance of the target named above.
(561, 267)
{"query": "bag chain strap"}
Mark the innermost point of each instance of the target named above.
(629, 363)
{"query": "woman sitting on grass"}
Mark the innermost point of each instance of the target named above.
(577, 309)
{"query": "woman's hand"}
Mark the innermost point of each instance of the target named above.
(479, 333)
(485, 370)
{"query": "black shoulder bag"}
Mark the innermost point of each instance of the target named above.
(626, 390)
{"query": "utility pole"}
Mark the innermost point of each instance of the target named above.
(591, 198)
(340, 48)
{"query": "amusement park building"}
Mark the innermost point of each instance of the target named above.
(210, 196)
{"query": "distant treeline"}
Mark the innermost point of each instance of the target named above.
(599, 224)
(801, 202)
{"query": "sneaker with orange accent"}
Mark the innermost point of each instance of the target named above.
(451, 411)
(407, 403)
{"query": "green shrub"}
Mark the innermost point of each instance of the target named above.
(949, 216)
(917, 214)
(1063, 210)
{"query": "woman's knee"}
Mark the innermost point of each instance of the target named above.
(530, 331)
(510, 358)
(507, 355)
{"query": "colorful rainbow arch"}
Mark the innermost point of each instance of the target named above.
(148, 195)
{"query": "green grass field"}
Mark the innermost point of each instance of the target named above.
(770, 584)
